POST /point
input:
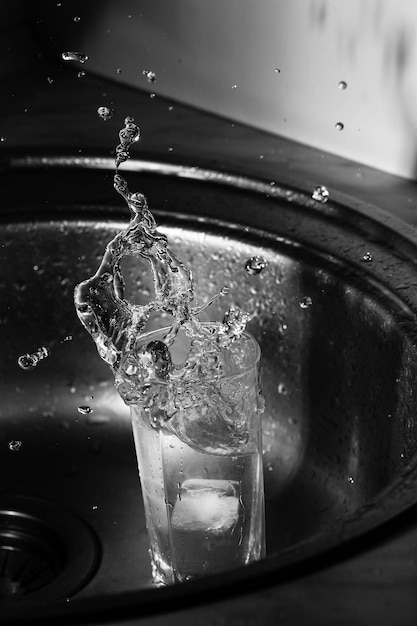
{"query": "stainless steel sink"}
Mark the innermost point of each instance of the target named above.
(334, 311)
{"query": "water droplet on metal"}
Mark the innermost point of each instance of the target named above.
(105, 113)
(306, 302)
(74, 56)
(15, 445)
(321, 194)
(150, 76)
(255, 265)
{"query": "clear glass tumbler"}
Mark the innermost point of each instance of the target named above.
(201, 476)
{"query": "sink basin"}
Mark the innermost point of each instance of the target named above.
(334, 311)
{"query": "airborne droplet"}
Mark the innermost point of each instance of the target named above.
(15, 445)
(85, 410)
(306, 302)
(29, 361)
(105, 113)
(74, 56)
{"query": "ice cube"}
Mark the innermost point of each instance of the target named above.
(206, 505)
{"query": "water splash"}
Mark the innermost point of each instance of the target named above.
(145, 372)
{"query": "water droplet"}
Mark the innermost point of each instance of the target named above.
(270, 468)
(118, 71)
(342, 84)
(77, 18)
(351, 480)
(277, 70)
(50, 80)
(234, 86)
(150, 76)
(152, 95)
(255, 265)
(2, 139)
(74, 56)
(306, 302)
(339, 126)
(81, 74)
(224, 291)
(94, 507)
(15, 445)
(105, 113)
(29, 361)
(367, 257)
(85, 410)
(170, 108)
(283, 389)
(321, 194)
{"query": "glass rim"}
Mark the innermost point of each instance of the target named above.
(253, 361)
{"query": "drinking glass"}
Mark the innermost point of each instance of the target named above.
(201, 473)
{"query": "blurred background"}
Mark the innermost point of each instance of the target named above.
(337, 76)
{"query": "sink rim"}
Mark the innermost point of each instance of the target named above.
(355, 528)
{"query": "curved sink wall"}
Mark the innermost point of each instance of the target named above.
(338, 376)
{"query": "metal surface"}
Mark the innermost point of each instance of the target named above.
(45, 551)
(339, 374)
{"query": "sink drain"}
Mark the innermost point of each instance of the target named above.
(45, 552)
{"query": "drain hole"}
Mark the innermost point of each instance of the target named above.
(43, 551)
(27, 562)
